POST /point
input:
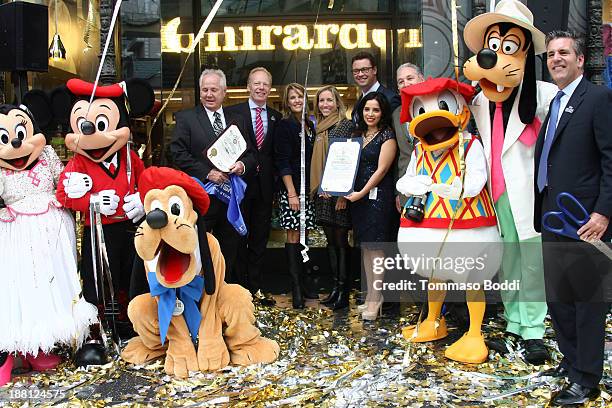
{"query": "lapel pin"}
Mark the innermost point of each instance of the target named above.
(569, 109)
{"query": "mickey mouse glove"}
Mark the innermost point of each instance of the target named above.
(106, 200)
(76, 185)
(133, 207)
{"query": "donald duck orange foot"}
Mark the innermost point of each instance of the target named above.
(469, 349)
(428, 330)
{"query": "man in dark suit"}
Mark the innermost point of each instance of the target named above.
(196, 129)
(574, 155)
(257, 204)
(407, 74)
(364, 73)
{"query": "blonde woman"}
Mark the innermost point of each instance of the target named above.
(287, 156)
(331, 212)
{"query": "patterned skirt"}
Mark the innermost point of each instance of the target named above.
(289, 219)
(327, 216)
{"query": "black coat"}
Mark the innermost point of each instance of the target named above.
(392, 97)
(288, 154)
(580, 158)
(262, 184)
(193, 135)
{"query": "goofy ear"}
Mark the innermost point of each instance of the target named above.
(529, 99)
(61, 104)
(206, 258)
(140, 95)
(39, 104)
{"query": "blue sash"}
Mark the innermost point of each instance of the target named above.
(231, 193)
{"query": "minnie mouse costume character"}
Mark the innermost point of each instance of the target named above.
(101, 174)
(40, 302)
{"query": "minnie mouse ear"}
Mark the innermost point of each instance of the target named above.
(141, 97)
(39, 105)
(61, 103)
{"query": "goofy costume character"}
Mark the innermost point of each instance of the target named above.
(508, 113)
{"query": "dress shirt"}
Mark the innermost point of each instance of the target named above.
(264, 116)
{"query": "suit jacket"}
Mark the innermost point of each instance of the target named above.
(261, 185)
(517, 157)
(580, 158)
(194, 133)
(405, 145)
(392, 97)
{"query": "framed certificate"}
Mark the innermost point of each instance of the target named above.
(341, 166)
(227, 149)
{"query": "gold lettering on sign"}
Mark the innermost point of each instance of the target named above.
(361, 36)
(321, 31)
(171, 40)
(292, 37)
(247, 38)
(297, 37)
(229, 35)
(266, 36)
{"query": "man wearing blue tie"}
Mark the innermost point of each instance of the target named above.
(574, 155)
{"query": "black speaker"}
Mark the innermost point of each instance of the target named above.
(24, 37)
(549, 15)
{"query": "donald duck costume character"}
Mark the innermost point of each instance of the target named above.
(457, 208)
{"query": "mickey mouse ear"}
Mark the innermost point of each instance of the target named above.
(37, 102)
(61, 103)
(141, 97)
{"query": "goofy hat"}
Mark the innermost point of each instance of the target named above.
(505, 43)
(437, 110)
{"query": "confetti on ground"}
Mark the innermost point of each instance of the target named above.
(327, 360)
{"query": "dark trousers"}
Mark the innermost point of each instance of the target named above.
(577, 302)
(119, 239)
(217, 224)
(257, 215)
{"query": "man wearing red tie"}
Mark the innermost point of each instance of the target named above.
(574, 155)
(257, 204)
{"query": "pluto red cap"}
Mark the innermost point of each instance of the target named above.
(432, 85)
(162, 177)
(83, 88)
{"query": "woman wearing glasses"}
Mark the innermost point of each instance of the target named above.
(331, 212)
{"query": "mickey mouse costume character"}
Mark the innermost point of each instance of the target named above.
(101, 174)
(40, 298)
(457, 220)
(508, 113)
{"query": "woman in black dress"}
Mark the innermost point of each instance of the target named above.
(373, 198)
(331, 212)
(287, 156)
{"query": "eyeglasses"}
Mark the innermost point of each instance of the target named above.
(363, 70)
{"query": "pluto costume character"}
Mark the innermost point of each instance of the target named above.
(508, 114)
(196, 330)
(437, 111)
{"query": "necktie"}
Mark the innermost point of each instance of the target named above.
(217, 125)
(498, 183)
(259, 129)
(548, 140)
(111, 168)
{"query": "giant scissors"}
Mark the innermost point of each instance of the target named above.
(570, 223)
